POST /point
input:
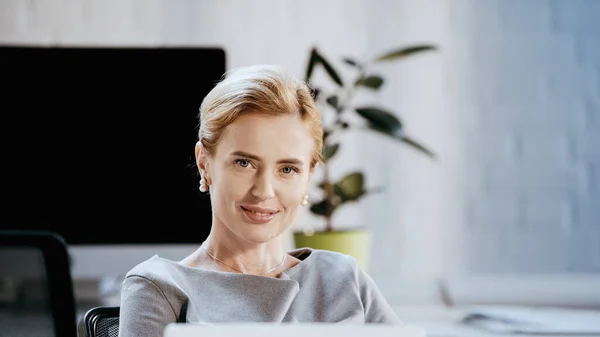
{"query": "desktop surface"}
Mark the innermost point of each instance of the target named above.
(292, 330)
(442, 321)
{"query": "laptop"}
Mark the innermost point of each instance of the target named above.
(292, 330)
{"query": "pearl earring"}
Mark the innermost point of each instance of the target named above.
(203, 185)
(304, 200)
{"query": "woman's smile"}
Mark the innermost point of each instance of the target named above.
(259, 215)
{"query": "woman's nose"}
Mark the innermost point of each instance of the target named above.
(263, 188)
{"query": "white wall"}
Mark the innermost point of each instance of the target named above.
(531, 133)
(509, 103)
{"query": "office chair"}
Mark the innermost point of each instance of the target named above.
(102, 321)
(36, 288)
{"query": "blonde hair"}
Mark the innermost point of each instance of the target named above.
(264, 89)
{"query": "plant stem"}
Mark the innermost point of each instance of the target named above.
(329, 192)
(328, 196)
(345, 101)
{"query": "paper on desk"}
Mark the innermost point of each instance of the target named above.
(533, 320)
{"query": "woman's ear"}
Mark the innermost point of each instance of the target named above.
(202, 161)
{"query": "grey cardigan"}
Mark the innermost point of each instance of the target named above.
(324, 287)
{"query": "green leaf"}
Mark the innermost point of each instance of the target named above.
(351, 62)
(333, 101)
(326, 134)
(315, 92)
(381, 120)
(312, 61)
(351, 187)
(323, 208)
(396, 134)
(335, 189)
(403, 52)
(419, 147)
(321, 185)
(330, 150)
(387, 124)
(329, 69)
(372, 82)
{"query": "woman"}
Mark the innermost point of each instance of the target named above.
(260, 139)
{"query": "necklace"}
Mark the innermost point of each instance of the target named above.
(237, 269)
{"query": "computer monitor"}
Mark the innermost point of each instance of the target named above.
(98, 147)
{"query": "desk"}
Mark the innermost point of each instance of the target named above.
(440, 321)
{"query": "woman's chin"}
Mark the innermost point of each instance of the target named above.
(258, 234)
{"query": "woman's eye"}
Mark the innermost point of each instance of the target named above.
(289, 169)
(242, 162)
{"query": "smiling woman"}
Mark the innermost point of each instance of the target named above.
(258, 174)
(259, 141)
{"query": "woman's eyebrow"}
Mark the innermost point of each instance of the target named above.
(243, 154)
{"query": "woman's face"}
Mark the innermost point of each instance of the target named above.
(258, 175)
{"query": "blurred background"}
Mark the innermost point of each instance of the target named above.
(509, 102)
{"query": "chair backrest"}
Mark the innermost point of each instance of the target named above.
(102, 321)
(36, 289)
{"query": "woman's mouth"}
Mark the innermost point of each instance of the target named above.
(259, 215)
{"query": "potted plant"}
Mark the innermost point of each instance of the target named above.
(338, 102)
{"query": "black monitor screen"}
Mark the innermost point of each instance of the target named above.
(98, 143)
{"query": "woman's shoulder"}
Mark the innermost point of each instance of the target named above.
(154, 268)
(321, 260)
(322, 255)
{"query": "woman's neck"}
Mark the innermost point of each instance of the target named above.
(229, 252)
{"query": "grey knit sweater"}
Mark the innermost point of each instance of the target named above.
(324, 287)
